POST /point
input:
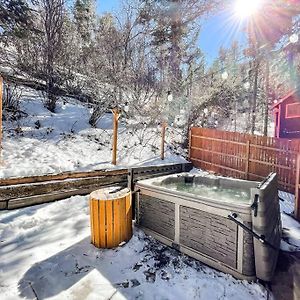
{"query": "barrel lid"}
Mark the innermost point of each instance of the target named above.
(109, 193)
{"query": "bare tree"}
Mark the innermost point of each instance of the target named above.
(52, 18)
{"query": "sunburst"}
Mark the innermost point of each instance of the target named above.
(246, 8)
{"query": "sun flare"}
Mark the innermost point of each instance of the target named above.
(246, 8)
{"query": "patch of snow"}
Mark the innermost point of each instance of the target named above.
(290, 227)
(48, 142)
(287, 202)
(46, 253)
(291, 233)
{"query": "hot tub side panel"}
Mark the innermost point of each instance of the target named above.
(157, 215)
(248, 264)
(210, 234)
(200, 230)
(267, 222)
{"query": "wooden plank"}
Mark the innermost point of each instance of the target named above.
(247, 159)
(96, 231)
(39, 199)
(25, 190)
(62, 176)
(217, 139)
(270, 164)
(128, 208)
(220, 166)
(91, 221)
(273, 149)
(123, 220)
(3, 205)
(117, 216)
(218, 153)
(102, 224)
(109, 224)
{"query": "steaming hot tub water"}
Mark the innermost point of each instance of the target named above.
(213, 220)
(209, 191)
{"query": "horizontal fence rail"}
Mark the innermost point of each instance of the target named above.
(246, 156)
(26, 191)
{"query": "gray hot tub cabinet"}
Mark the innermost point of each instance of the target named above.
(200, 227)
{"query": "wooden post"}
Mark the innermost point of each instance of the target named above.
(130, 179)
(1, 92)
(116, 114)
(163, 135)
(247, 159)
(297, 194)
(190, 144)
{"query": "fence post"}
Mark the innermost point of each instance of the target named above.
(247, 159)
(190, 144)
(116, 114)
(130, 185)
(297, 194)
(130, 179)
(163, 134)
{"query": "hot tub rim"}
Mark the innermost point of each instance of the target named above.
(194, 198)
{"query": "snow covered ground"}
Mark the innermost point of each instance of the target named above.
(46, 253)
(45, 250)
(45, 142)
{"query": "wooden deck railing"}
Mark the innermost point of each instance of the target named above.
(247, 156)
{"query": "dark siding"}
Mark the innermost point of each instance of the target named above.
(210, 234)
(157, 215)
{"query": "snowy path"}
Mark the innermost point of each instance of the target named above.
(45, 252)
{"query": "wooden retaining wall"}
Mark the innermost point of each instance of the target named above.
(26, 191)
(247, 156)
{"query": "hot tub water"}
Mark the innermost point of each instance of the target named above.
(209, 191)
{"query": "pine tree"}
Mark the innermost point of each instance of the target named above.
(173, 24)
(85, 19)
(15, 18)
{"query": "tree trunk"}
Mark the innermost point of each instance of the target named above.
(50, 85)
(255, 88)
(175, 55)
(53, 23)
(266, 106)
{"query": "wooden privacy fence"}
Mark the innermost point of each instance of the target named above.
(247, 156)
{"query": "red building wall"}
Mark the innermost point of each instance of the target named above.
(289, 118)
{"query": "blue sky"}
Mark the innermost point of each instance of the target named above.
(218, 30)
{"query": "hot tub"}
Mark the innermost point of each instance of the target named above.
(232, 225)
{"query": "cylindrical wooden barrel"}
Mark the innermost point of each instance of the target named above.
(111, 217)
